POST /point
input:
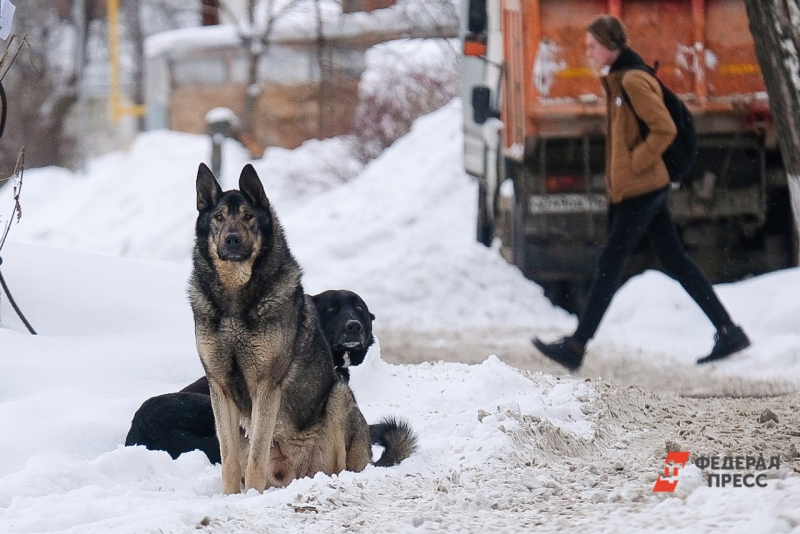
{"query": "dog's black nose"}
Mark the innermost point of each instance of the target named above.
(353, 326)
(233, 240)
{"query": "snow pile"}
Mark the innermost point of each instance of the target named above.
(401, 235)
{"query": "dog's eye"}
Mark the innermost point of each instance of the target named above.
(359, 308)
(219, 217)
(247, 216)
(331, 309)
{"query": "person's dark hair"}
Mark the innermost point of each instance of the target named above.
(609, 32)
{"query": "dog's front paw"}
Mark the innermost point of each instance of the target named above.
(255, 478)
(231, 479)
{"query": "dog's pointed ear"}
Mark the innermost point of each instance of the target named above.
(251, 188)
(208, 189)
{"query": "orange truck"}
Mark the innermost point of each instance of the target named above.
(534, 125)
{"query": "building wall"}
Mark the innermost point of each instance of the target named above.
(287, 115)
(295, 103)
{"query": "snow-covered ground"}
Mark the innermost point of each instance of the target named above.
(100, 262)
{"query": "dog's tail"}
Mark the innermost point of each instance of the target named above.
(397, 439)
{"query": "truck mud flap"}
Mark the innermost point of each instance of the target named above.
(561, 261)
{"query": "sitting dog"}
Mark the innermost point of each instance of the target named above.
(269, 366)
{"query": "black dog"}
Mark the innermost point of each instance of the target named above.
(347, 324)
(184, 421)
(176, 423)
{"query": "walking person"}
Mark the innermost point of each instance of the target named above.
(637, 186)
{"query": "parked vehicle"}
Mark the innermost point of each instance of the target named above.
(534, 124)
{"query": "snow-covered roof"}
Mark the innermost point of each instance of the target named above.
(299, 24)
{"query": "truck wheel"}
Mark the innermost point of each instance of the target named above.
(485, 227)
(518, 243)
(780, 229)
(794, 246)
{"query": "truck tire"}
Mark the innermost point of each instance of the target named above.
(569, 294)
(485, 226)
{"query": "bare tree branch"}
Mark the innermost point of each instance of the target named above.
(16, 212)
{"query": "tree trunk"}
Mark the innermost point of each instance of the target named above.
(775, 25)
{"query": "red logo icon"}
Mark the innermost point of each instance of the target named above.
(669, 481)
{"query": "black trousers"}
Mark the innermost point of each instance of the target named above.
(629, 222)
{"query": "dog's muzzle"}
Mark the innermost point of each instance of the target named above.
(233, 248)
(352, 337)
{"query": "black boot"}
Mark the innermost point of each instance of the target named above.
(567, 352)
(728, 340)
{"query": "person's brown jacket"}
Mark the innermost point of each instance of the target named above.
(633, 165)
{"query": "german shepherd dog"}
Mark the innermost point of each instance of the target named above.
(268, 364)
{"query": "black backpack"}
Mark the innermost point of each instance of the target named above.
(680, 155)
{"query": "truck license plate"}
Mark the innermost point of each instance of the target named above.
(567, 203)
